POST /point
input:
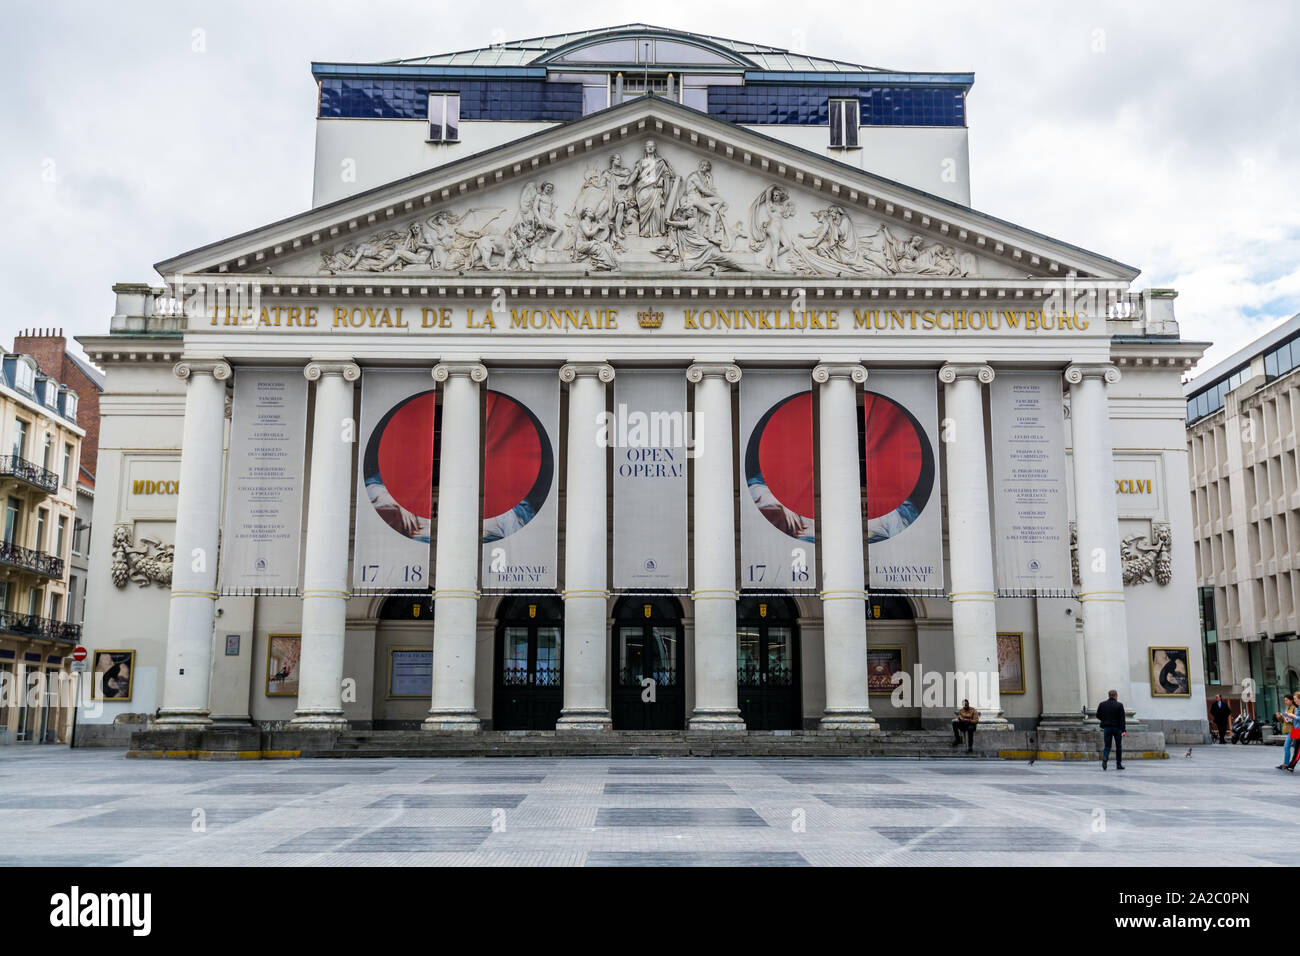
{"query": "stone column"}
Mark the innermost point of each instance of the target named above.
(455, 589)
(325, 590)
(844, 608)
(585, 529)
(194, 573)
(1101, 570)
(716, 701)
(970, 541)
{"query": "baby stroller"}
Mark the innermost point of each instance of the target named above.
(1246, 728)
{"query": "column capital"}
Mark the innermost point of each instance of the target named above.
(1109, 374)
(217, 368)
(349, 370)
(475, 371)
(697, 373)
(951, 373)
(576, 370)
(824, 373)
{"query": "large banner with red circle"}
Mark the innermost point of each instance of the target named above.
(521, 482)
(778, 530)
(904, 528)
(394, 524)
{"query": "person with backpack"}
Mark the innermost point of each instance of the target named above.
(1293, 738)
(1110, 714)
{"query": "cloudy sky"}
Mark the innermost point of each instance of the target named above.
(1165, 135)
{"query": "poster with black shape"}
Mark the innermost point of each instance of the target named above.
(392, 548)
(262, 533)
(904, 527)
(778, 530)
(649, 434)
(1030, 509)
(520, 483)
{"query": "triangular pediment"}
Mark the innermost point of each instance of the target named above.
(653, 189)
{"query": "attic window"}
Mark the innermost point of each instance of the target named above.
(444, 117)
(844, 123)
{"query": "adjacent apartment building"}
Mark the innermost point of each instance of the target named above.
(1245, 480)
(41, 443)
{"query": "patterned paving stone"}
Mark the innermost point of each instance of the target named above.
(643, 811)
(163, 819)
(454, 800)
(642, 787)
(695, 859)
(676, 817)
(873, 801)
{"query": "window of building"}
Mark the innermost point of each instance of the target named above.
(39, 544)
(60, 533)
(67, 465)
(844, 123)
(72, 596)
(56, 602)
(48, 453)
(34, 598)
(20, 438)
(51, 396)
(76, 535)
(1209, 633)
(24, 377)
(70, 406)
(11, 521)
(595, 97)
(444, 117)
(5, 595)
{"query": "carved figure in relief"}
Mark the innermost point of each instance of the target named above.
(146, 563)
(767, 231)
(703, 196)
(656, 189)
(513, 247)
(537, 207)
(592, 241)
(618, 207)
(695, 244)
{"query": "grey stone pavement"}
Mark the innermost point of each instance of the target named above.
(97, 808)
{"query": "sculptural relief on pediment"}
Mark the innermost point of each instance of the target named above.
(654, 214)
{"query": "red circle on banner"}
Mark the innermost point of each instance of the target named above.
(785, 454)
(406, 455)
(894, 458)
(512, 455)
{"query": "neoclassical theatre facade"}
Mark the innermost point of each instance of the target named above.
(641, 420)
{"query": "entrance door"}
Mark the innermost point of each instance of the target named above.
(648, 684)
(529, 689)
(767, 663)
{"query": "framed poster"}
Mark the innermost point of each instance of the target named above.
(410, 672)
(884, 668)
(113, 674)
(283, 654)
(1168, 671)
(1011, 663)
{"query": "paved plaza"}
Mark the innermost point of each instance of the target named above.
(97, 808)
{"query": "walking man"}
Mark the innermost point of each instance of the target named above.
(1110, 713)
(1220, 713)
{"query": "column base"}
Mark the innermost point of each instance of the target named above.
(319, 720)
(182, 720)
(1067, 721)
(994, 721)
(584, 718)
(717, 720)
(847, 718)
(462, 720)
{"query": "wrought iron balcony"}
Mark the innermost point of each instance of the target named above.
(41, 628)
(14, 466)
(25, 559)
